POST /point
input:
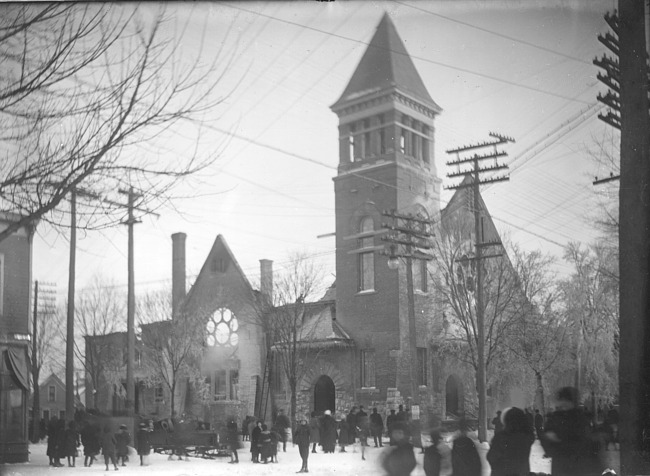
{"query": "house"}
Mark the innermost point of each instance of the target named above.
(15, 289)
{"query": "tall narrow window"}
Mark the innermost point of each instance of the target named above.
(351, 144)
(220, 385)
(419, 267)
(366, 139)
(234, 384)
(366, 258)
(425, 144)
(422, 366)
(402, 142)
(51, 393)
(367, 368)
(158, 394)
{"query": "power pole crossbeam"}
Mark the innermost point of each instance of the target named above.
(475, 184)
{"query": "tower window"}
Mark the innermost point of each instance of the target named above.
(367, 368)
(402, 142)
(420, 274)
(351, 143)
(422, 365)
(366, 259)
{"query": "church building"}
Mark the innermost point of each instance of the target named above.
(369, 346)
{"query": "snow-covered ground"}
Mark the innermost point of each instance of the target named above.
(320, 464)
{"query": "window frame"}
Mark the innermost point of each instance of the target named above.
(366, 259)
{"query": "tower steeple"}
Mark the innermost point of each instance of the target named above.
(385, 67)
(385, 112)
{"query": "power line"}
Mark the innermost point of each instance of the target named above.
(426, 60)
(495, 33)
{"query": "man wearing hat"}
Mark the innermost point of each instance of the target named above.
(122, 442)
(144, 446)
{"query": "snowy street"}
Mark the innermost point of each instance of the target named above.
(349, 463)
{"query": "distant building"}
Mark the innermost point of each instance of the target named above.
(15, 289)
(52, 399)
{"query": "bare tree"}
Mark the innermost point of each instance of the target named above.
(100, 311)
(287, 326)
(539, 337)
(591, 297)
(453, 278)
(86, 90)
(44, 349)
(172, 347)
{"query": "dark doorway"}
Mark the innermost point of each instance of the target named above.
(452, 396)
(324, 394)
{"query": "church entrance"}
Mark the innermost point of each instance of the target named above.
(324, 395)
(453, 396)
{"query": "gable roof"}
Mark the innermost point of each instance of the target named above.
(319, 326)
(386, 66)
(219, 249)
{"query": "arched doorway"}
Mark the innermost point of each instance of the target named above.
(324, 394)
(453, 396)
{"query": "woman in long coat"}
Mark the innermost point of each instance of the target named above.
(144, 445)
(71, 437)
(314, 431)
(328, 432)
(255, 442)
(265, 443)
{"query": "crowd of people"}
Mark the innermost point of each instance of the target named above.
(94, 439)
(567, 435)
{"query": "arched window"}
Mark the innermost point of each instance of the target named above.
(366, 258)
(222, 328)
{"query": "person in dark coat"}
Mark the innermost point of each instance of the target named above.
(401, 414)
(244, 428)
(344, 433)
(390, 424)
(363, 431)
(539, 424)
(399, 460)
(497, 423)
(302, 437)
(465, 460)
(144, 445)
(568, 439)
(232, 437)
(328, 432)
(59, 442)
(255, 442)
(432, 456)
(90, 442)
(376, 427)
(108, 447)
(351, 420)
(52, 441)
(314, 431)
(509, 453)
(122, 442)
(283, 424)
(264, 442)
(71, 444)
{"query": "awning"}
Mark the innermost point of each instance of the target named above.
(18, 363)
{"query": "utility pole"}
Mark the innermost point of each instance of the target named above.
(474, 183)
(69, 341)
(407, 236)
(130, 319)
(36, 405)
(628, 79)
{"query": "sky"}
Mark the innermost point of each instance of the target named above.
(519, 68)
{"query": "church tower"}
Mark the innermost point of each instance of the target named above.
(386, 162)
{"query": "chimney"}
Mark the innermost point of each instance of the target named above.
(178, 271)
(266, 278)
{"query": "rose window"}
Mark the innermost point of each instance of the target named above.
(222, 328)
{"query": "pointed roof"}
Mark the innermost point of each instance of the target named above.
(219, 249)
(386, 65)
